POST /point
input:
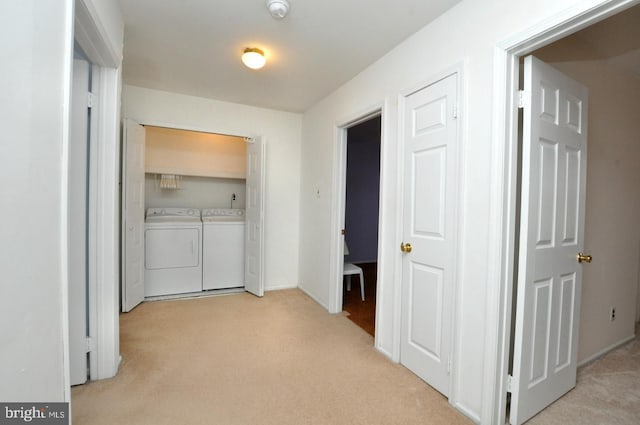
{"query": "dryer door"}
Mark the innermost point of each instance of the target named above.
(169, 248)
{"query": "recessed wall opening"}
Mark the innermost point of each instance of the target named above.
(189, 197)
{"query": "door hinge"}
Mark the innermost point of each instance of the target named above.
(509, 384)
(89, 100)
(449, 366)
(523, 99)
(455, 110)
(90, 344)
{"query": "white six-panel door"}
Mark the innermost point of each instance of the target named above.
(133, 215)
(254, 217)
(554, 159)
(430, 167)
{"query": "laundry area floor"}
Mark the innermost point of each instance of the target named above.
(239, 359)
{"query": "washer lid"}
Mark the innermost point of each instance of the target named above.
(223, 212)
(223, 219)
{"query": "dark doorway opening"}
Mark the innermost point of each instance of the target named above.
(361, 219)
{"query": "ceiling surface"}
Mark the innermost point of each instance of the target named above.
(617, 39)
(193, 47)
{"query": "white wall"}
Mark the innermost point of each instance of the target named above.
(34, 113)
(195, 192)
(282, 131)
(612, 232)
(465, 34)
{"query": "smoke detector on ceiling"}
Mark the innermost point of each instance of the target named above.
(278, 8)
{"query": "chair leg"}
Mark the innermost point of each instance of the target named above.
(362, 284)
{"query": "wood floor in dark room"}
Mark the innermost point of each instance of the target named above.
(362, 313)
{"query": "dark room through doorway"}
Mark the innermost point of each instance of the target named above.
(361, 220)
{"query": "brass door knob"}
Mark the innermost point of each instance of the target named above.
(405, 247)
(584, 258)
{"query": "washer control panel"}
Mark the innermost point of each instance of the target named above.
(173, 212)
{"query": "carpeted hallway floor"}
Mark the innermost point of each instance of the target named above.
(607, 392)
(238, 359)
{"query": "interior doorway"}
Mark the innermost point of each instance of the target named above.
(361, 220)
(605, 57)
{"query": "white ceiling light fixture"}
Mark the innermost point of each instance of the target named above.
(278, 8)
(253, 58)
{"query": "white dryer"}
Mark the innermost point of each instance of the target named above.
(223, 248)
(173, 255)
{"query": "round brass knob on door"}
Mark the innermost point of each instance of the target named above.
(584, 258)
(405, 247)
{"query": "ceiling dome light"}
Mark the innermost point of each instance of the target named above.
(278, 8)
(253, 58)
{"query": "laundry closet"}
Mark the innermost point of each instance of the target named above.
(194, 211)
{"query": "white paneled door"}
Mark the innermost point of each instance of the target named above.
(554, 158)
(133, 215)
(429, 234)
(254, 217)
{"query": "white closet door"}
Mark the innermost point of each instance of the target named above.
(133, 215)
(254, 234)
(429, 220)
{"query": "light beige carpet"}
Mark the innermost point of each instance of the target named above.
(607, 393)
(238, 359)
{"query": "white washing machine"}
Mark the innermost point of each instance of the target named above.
(222, 248)
(173, 254)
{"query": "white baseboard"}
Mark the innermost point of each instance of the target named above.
(606, 350)
(280, 287)
(313, 297)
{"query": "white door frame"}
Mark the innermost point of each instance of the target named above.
(338, 203)
(504, 170)
(78, 205)
(104, 212)
(104, 228)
